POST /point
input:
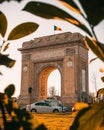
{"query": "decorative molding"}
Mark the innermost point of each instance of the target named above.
(69, 51)
(26, 57)
(53, 40)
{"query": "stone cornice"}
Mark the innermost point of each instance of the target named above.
(54, 40)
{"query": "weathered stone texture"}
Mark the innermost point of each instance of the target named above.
(65, 52)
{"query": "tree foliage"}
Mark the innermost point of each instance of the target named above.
(90, 118)
(90, 14)
(40, 9)
(19, 31)
(93, 14)
(13, 116)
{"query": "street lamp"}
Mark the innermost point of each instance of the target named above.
(30, 91)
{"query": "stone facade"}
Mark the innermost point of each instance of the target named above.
(65, 52)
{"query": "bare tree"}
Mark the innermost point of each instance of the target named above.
(52, 91)
(94, 79)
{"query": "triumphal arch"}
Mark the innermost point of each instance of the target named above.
(67, 53)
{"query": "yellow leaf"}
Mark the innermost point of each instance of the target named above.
(15, 105)
(95, 46)
(5, 100)
(101, 70)
(32, 120)
(71, 7)
(6, 47)
(99, 49)
(11, 64)
(80, 105)
(13, 114)
(22, 30)
(58, 18)
(73, 21)
(100, 91)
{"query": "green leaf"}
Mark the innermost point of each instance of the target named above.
(9, 90)
(5, 60)
(91, 118)
(84, 28)
(94, 10)
(96, 47)
(3, 24)
(52, 12)
(22, 30)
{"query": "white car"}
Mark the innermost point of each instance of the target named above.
(43, 107)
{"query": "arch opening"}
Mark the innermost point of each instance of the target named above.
(54, 83)
(49, 77)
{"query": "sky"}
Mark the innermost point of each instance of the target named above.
(15, 16)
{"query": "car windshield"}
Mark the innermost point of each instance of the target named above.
(53, 102)
(39, 104)
(42, 104)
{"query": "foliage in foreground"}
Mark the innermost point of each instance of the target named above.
(13, 117)
(19, 31)
(90, 118)
(40, 9)
(18, 119)
(90, 15)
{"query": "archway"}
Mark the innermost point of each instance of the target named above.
(65, 52)
(54, 83)
(43, 81)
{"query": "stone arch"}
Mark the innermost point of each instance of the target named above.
(66, 52)
(42, 77)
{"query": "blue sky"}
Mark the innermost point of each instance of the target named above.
(15, 16)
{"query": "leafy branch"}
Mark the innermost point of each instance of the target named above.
(18, 119)
(94, 14)
(40, 9)
(19, 31)
(13, 116)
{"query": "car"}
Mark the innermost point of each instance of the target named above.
(43, 107)
(56, 102)
(53, 102)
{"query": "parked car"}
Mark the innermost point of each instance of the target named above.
(56, 102)
(43, 107)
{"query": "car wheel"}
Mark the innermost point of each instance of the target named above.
(56, 110)
(34, 110)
